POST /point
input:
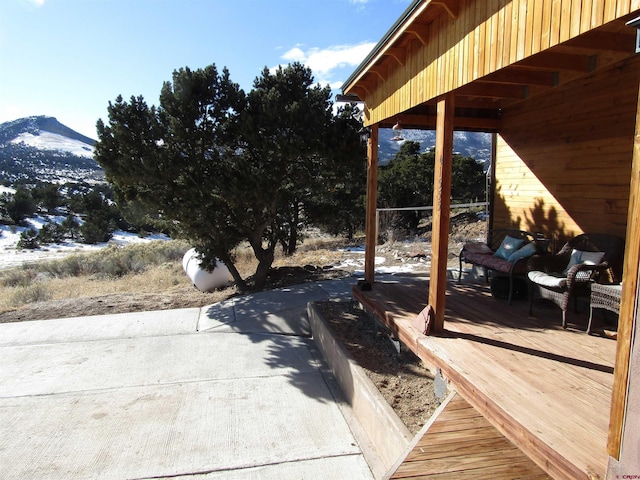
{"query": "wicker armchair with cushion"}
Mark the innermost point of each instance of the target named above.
(568, 274)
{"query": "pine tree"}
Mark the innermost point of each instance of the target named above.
(408, 182)
(221, 167)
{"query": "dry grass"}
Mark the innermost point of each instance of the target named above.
(149, 276)
(142, 268)
(154, 267)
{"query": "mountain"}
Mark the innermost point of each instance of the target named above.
(43, 149)
(470, 144)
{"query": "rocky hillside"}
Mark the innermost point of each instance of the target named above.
(42, 149)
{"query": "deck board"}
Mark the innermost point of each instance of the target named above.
(546, 388)
(466, 446)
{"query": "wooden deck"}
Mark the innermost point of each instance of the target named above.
(548, 390)
(459, 443)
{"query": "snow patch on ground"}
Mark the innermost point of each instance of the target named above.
(355, 263)
(11, 256)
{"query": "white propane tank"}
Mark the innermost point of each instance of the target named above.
(201, 279)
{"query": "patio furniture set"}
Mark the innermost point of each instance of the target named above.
(589, 266)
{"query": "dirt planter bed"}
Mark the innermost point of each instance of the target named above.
(387, 434)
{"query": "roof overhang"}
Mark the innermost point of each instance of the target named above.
(481, 99)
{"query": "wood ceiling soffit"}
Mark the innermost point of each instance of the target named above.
(477, 124)
(559, 61)
(603, 58)
(492, 90)
(522, 76)
(461, 102)
(476, 103)
(597, 41)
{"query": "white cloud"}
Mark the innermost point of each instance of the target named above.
(35, 3)
(294, 55)
(324, 62)
(359, 3)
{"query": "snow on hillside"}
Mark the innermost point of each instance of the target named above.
(53, 141)
(11, 256)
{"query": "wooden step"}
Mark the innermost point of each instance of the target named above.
(459, 443)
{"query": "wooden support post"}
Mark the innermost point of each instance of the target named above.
(628, 304)
(441, 209)
(371, 227)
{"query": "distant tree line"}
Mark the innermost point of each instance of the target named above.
(407, 181)
(89, 213)
(21, 163)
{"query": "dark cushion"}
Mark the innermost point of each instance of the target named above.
(477, 247)
(495, 263)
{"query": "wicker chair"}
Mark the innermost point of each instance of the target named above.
(559, 278)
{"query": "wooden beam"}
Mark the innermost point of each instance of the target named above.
(376, 69)
(361, 91)
(452, 7)
(364, 88)
(420, 31)
(398, 53)
(371, 227)
(492, 90)
(441, 207)
(428, 122)
(628, 313)
(596, 41)
(523, 76)
(477, 124)
(559, 61)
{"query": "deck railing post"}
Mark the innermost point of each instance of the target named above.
(371, 227)
(441, 209)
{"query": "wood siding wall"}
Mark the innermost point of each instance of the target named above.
(486, 36)
(563, 162)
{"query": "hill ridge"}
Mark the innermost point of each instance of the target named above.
(35, 124)
(40, 148)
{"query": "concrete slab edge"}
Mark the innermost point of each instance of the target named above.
(384, 429)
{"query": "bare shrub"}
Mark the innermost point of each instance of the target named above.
(18, 277)
(116, 261)
(387, 226)
(35, 292)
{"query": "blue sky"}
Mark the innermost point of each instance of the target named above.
(69, 58)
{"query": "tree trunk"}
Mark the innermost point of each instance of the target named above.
(240, 283)
(293, 240)
(265, 260)
(292, 244)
